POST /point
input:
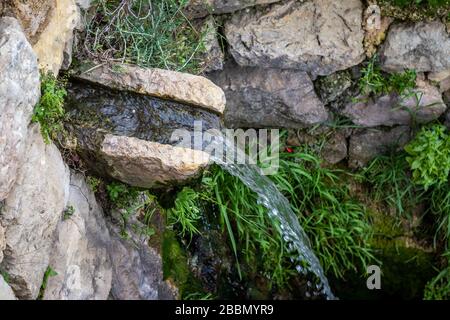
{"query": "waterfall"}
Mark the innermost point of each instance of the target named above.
(279, 209)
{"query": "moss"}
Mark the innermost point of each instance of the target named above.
(175, 266)
(408, 10)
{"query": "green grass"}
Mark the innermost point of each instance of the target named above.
(429, 3)
(186, 212)
(336, 223)
(49, 112)
(391, 182)
(374, 81)
(147, 33)
(49, 272)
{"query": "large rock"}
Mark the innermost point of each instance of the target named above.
(442, 79)
(202, 8)
(423, 46)
(367, 144)
(6, 292)
(19, 92)
(423, 106)
(137, 266)
(33, 15)
(31, 213)
(53, 40)
(132, 137)
(166, 84)
(146, 163)
(320, 37)
(259, 97)
(330, 143)
(80, 254)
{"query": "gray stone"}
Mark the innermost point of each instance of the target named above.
(213, 58)
(19, 92)
(137, 267)
(367, 144)
(259, 97)
(31, 213)
(423, 46)
(423, 106)
(332, 87)
(80, 254)
(6, 292)
(330, 143)
(320, 37)
(202, 8)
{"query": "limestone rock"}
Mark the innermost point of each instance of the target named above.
(137, 266)
(320, 37)
(259, 97)
(52, 43)
(19, 92)
(80, 254)
(423, 46)
(424, 106)
(202, 8)
(369, 143)
(332, 143)
(145, 163)
(31, 213)
(182, 87)
(442, 79)
(33, 15)
(6, 292)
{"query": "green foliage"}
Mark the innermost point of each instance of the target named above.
(48, 273)
(439, 287)
(374, 81)
(430, 3)
(390, 180)
(147, 33)
(429, 156)
(122, 195)
(93, 183)
(186, 212)
(253, 236)
(337, 225)
(68, 212)
(49, 111)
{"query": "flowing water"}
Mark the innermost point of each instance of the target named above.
(280, 211)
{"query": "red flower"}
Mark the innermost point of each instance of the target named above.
(289, 150)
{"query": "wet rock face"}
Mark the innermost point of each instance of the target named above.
(365, 145)
(133, 115)
(127, 136)
(258, 97)
(19, 92)
(423, 46)
(319, 37)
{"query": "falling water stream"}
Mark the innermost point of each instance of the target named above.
(279, 210)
